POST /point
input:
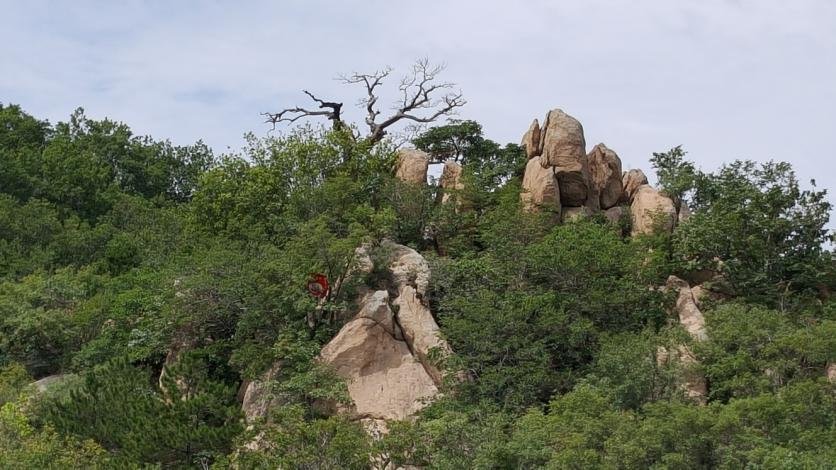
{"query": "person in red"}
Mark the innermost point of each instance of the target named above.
(318, 286)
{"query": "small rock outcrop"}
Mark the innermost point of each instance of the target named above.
(570, 214)
(631, 181)
(383, 353)
(540, 188)
(451, 180)
(605, 177)
(412, 166)
(564, 149)
(692, 319)
(687, 309)
(45, 383)
(649, 208)
(531, 140)
(258, 395)
(615, 214)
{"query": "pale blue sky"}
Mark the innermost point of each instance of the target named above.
(727, 79)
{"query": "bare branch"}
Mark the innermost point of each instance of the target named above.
(290, 115)
(419, 90)
(371, 82)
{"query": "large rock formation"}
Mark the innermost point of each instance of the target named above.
(531, 140)
(631, 181)
(564, 148)
(384, 352)
(412, 166)
(540, 188)
(650, 208)
(385, 380)
(605, 177)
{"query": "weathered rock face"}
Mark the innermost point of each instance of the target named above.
(451, 180)
(564, 148)
(531, 140)
(412, 166)
(689, 313)
(184, 343)
(650, 207)
(385, 381)
(605, 177)
(259, 397)
(630, 182)
(45, 383)
(540, 188)
(691, 318)
(693, 383)
(614, 214)
(383, 352)
(570, 214)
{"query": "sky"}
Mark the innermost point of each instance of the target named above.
(726, 79)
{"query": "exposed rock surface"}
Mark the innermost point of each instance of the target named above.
(531, 140)
(631, 181)
(45, 383)
(383, 352)
(650, 207)
(412, 166)
(385, 381)
(830, 372)
(692, 319)
(259, 397)
(574, 213)
(539, 188)
(693, 382)
(614, 214)
(564, 148)
(451, 180)
(605, 177)
(689, 313)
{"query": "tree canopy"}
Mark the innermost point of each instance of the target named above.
(148, 282)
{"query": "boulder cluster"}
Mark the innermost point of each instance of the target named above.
(562, 178)
(385, 353)
(412, 166)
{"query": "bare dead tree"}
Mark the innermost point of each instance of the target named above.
(423, 100)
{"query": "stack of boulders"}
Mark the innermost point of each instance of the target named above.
(563, 179)
(383, 353)
(412, 166)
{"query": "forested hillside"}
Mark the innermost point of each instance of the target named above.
(147, 288)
